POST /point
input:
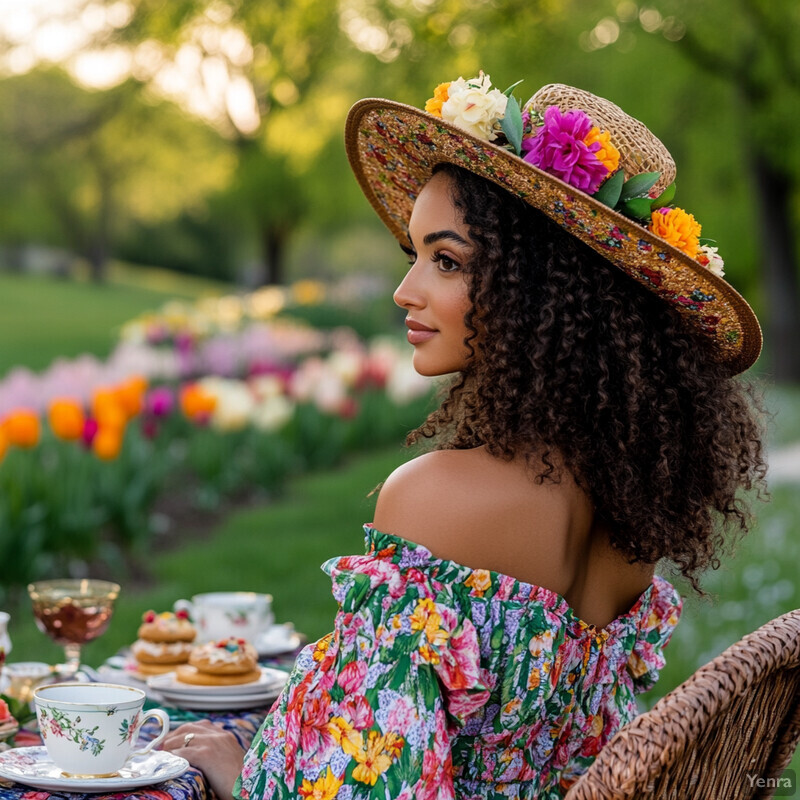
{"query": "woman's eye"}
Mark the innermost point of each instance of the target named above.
(446, 264)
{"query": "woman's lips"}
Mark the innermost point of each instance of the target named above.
(418, 333)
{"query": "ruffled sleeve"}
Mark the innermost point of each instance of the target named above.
(376, 703)
(654, 632)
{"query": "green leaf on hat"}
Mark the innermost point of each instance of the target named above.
(710, 242)
(638, 207)
(608, 194)
(511, 124)
(639, 185)
(513, 86)
(665, 198)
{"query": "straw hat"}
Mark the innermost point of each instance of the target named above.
(571, 155)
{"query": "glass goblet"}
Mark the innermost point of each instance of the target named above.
(72, 612)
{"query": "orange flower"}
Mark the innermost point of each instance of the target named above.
(196, 403)
(107, 410)
(3, 443)
(680, 229)
(130, 395)
(107, 443)
(440, 96)
(22, 428)
(608, 155)
(66, 418)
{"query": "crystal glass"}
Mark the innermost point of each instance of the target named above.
(73, 612)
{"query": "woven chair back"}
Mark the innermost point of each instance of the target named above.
(728, 732)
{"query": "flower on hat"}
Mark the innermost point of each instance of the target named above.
(474, 106)
(711, 260)
(440, 94)
(606, 153)
(559, 147)
(678, 228)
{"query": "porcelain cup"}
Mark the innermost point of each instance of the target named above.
(90, 729)
(219, 615)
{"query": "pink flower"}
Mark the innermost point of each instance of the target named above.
(359, 712)
(558, 148)
(352, 676)
(160, 401)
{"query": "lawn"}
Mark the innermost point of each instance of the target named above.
(47, 318)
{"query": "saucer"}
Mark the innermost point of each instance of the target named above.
(31, 766)
(277, 640)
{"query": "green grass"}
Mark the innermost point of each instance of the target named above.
(47, 318)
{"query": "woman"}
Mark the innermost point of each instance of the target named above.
(507, 611)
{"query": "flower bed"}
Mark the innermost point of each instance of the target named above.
(87, 448)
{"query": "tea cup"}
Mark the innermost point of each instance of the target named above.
(219, 615)
(90, 729)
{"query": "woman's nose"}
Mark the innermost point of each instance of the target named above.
(409, 294)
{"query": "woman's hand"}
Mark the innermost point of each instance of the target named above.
(213, 750)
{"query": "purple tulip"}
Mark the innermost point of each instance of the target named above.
(160, 401)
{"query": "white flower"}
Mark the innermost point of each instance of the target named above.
(474, 106)
(715, 263)
(234, 403)
(273, 413)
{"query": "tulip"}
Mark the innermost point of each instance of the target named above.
(66, 418)
(107, 443)
(22, 428)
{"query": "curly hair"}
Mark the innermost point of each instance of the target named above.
(580, 368)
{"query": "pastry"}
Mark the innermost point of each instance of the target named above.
(165, 641)
(224, 663)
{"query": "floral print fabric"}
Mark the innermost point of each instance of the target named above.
(440, 681)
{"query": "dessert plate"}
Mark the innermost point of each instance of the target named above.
(271, 680)
(32, 767)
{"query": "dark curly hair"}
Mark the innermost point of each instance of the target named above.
(580, 368)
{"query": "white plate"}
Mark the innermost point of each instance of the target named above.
(32, 766)
(236, 703)
(271, 680)
(276, 640)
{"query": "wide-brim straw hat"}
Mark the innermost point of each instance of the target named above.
(393, 149)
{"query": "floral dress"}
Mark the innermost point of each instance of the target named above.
(440, 681)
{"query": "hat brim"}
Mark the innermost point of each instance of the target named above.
(393, 149)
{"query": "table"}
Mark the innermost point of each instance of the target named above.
(189, 786)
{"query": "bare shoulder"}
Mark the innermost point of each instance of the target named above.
(461, 504)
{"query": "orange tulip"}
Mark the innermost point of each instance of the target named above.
(22, 428)
(3, 444)
(107, 443)
(66, 418)
(130, 395)
(196, 403)
(106, 409)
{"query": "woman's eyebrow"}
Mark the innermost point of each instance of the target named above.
(435, 236)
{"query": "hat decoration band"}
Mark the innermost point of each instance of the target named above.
(570, 146)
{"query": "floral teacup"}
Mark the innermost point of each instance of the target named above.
(219, 615)
(90, 729)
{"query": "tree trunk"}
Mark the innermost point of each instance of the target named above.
(99, 244)
(782, 319)
(274, 239)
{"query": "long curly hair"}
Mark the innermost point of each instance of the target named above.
(577, 367)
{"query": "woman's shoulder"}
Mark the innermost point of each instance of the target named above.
(461, 503)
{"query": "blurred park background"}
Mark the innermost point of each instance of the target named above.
(184, 252)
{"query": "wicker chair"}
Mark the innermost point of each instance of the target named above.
(727, 733)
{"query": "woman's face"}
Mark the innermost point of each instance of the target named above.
(434, 291)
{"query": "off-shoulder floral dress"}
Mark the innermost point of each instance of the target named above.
(440, 681)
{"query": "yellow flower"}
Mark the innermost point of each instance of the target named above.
(597, 724)
(636, 666)
(608, 155)
(429, 654)
(373, 759)
(534, 679)
(479, 581)
(347, 737)
(421, 613)
(322, 647)
(680, 229)
(324, 788)
(440, 96)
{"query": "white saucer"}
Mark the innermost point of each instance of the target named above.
(32, 766)
(235, 703)
(276, 640)
(271, 680)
